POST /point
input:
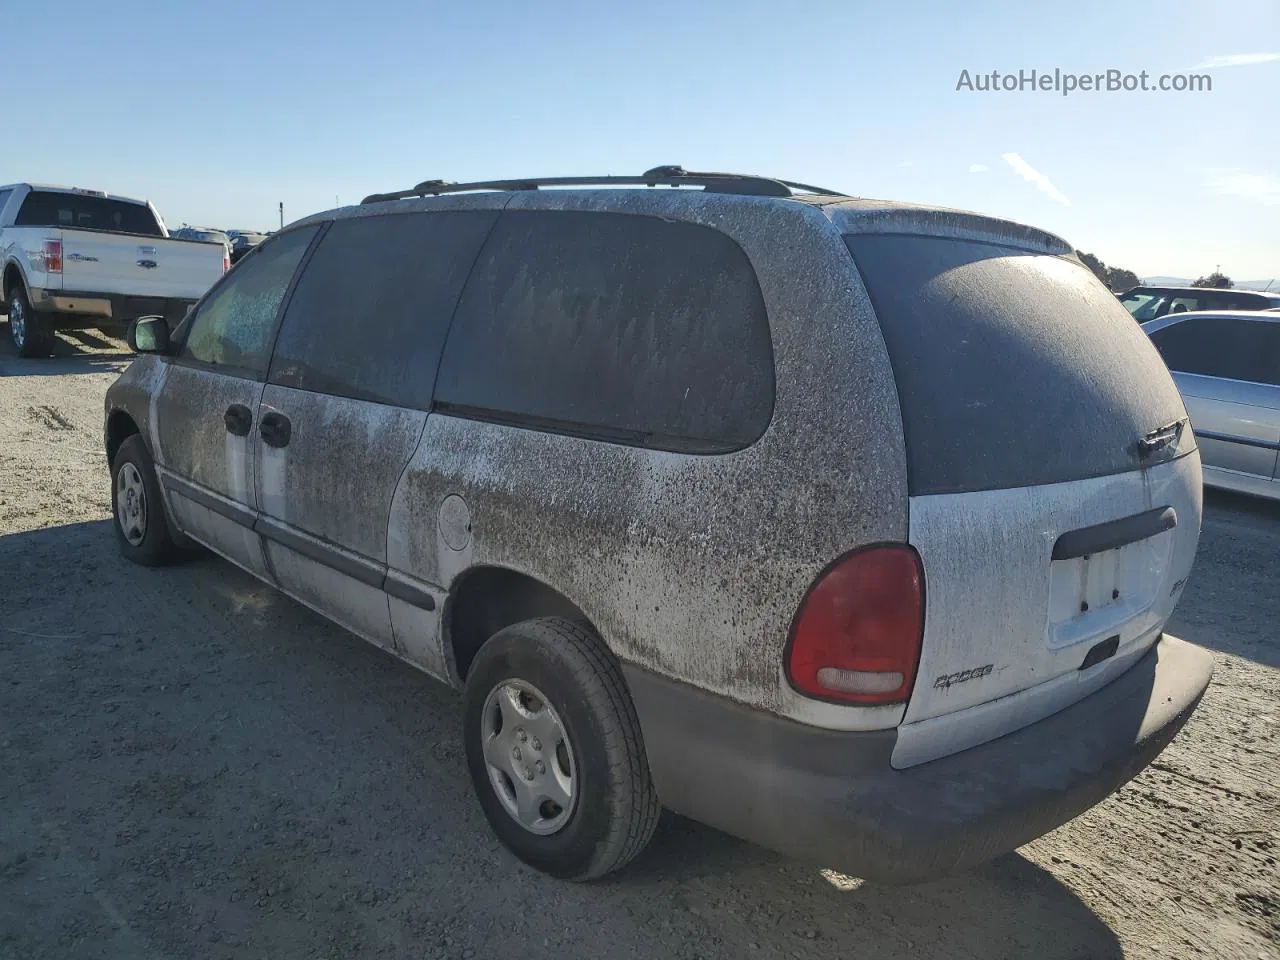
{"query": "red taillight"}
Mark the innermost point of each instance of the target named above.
(226, 262)
(856, 637)
(53, 256)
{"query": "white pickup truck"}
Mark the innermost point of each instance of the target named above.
(77, 258)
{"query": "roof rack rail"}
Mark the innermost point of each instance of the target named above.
(666, 176)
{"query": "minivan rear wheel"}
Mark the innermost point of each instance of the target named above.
(555, 751)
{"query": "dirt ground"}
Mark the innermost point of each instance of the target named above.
(192, 765)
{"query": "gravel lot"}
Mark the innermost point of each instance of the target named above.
(192, 765)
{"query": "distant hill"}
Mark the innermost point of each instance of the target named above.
(1186, 282)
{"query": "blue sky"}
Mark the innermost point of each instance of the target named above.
(218, 110)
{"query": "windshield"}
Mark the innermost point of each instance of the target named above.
(1143, 306)
(74, 211)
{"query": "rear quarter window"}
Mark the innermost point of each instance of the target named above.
(1013, 369)
(626, 328)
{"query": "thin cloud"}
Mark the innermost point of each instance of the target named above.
(978, 168)
(1032, 175)
(1254, 187)
(906, 163)
(1235, 60)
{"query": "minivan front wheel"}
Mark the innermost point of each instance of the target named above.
(555, 751)
(141, 527)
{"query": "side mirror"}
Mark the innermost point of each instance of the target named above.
(149, 335)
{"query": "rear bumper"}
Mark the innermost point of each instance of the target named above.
(111, 308)
(832, 797)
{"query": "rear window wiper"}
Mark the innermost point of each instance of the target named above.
(1152, 443)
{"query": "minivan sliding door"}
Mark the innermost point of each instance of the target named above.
(344, 408)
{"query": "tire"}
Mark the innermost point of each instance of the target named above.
(613, 808)
(30, 330)
(142, 529)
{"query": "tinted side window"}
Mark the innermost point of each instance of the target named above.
(628, 328)
(4, 198)
(234, 326)
(370, 312)
(1216, 300)
(1222, 347)
(1243, 301)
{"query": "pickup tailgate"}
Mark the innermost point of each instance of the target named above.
(139, 266)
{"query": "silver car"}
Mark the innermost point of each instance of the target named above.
(1227, 365)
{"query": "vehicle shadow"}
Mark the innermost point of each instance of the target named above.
(91, 338)
(1008, 907)
(199, 766)
(74, 351)
(1230, 603)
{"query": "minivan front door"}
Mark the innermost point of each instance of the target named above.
(205, 459)
(205, 408)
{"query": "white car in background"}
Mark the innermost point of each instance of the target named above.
(77, 258)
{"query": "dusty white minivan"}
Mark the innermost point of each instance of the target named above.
(849, 527)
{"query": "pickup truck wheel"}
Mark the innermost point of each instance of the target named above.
(31, 332)
(555, 751)
(142, 529)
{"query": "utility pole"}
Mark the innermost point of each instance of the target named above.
(281, 214)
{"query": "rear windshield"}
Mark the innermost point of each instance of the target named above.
(74, 211)
(1013, 369)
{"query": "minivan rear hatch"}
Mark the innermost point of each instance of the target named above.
(1053, 479)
